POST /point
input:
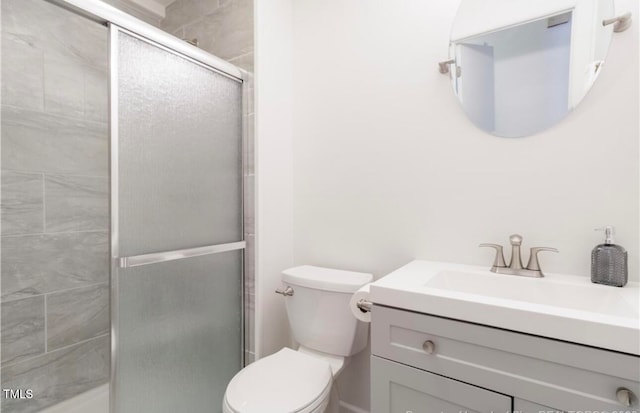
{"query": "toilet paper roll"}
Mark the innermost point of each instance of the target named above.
(361, 294)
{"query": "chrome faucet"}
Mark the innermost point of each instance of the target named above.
(515, 265)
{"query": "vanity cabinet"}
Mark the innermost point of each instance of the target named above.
(428, 359)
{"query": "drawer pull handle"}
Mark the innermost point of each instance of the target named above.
(625, 396)
(429, 347)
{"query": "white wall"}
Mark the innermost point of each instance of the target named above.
(388, 169)
(274, 221)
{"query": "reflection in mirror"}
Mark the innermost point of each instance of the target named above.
(520, 66)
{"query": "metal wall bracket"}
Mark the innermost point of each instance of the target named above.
(444, 66)
(620, 23)
(364, 305)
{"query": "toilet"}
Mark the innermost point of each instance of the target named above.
(328, 334)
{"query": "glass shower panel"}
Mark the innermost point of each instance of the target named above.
(178, 334)
(176, 191)
(180, 151)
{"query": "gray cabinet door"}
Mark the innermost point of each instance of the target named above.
(397, 388)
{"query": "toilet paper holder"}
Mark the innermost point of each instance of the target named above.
(364, 305)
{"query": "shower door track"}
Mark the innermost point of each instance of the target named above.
(104, 14)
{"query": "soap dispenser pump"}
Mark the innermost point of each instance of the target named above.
(609, 261)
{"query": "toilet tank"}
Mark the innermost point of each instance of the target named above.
(319, 312)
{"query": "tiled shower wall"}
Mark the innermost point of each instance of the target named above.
(55, 272)
(225, 29)
(249, 182)
(222, 27)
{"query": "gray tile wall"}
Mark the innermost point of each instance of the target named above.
(134, 9)
(54, 207)
(249, 219)
(222, 27)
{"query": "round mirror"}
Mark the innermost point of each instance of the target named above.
(520, 66)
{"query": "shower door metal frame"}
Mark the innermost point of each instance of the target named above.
(119, 262)
(118, 21)
(105, 14)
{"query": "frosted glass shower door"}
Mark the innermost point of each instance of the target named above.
(177, 239)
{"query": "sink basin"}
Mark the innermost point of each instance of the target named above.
(559, 306)
(601, 301)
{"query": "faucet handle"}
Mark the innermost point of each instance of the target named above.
(498, 261)
(534, 264)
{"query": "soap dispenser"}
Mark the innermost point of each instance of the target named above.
(609, 261)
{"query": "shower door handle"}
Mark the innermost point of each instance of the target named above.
(158, 257)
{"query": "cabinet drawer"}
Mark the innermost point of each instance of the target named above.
(397, 388)
(566, 376)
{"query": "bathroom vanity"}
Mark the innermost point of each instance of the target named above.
(450, 338)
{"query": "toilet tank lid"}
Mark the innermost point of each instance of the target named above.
(326, 279)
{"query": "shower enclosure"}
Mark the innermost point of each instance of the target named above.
(123, 220)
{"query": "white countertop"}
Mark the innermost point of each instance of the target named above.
(558, 306)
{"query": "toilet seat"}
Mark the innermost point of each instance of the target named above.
(285, 382)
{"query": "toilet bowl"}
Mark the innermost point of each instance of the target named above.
(300, 381)
(287, 381)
